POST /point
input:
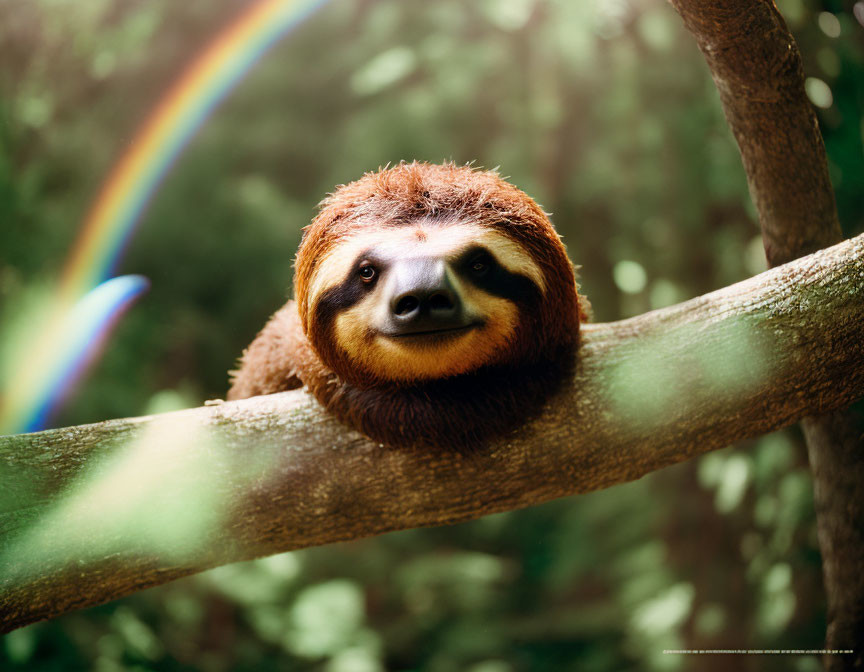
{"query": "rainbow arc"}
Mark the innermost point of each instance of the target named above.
(76, 324)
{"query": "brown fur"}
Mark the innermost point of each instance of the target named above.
(295, 348)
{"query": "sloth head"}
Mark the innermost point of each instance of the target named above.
(423, 272)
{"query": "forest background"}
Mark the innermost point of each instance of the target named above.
(605, 112)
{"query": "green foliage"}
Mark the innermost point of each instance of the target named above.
(605, 112)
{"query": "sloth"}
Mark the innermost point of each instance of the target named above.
(435, 306)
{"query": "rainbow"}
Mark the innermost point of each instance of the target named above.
(163, 136)
(88, 303)
(77, 342)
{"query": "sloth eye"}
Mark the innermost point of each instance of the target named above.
(367, 273)
(480, 264)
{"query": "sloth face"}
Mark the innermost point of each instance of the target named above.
(421, 301)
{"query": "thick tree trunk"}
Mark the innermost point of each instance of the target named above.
(757, 68)
(91, 513)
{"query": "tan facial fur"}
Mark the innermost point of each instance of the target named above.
(357, 331)
(389, 359)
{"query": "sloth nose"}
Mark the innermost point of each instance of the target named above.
(423, 298)
(436, 302)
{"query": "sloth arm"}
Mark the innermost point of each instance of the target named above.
(271, 361)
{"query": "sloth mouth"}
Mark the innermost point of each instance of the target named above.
(431, 335)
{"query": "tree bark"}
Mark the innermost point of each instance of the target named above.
(757, 68)
(91, 513)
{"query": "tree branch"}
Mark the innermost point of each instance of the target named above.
(757, 68)
(91, 513)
